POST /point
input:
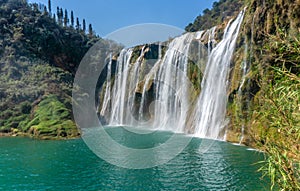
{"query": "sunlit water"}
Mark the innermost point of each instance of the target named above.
(27, 164)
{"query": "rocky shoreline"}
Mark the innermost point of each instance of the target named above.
(40, 137)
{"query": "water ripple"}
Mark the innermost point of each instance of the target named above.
(27, 164)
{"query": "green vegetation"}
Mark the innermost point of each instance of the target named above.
(274, 123)
(23, 85)
(221, 12)
(51, 118)
(40, 51)
(276, 116)
(278, 130)
(38, 58)
(268, 104)
(195, 76)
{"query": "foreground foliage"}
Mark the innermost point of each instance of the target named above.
(276, 124)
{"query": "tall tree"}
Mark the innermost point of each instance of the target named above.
(45, 10)
(72, 19)
(59, 16)
(57, 12)
(61, 12)
(83, 25)
(91, 30)
(66, 18)
(49, 7)
(35, 7)
(77, 24)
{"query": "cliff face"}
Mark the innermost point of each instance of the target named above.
(267, 105)
(38, 60)
(268, 39)
(271, 38)
(264, 91)
(268, 42)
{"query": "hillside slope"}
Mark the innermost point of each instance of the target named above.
(38, 61)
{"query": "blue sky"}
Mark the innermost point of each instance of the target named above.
(107, 16)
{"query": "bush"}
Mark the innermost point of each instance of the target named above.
(276, 118)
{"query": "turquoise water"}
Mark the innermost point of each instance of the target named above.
(27, 164)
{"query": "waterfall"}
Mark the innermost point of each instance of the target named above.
(172, 105)
(161, 96)
(245, 83)
(245, 70)
(211, 106)
(119, 88)
(148, 79)
(169, 75)
(107, 98)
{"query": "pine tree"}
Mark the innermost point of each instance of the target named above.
(90, 30)
(61, 12)
(66, 18)
(59, 16)
(54, 17)
(49, 7)
(72, 19)
(57, 12)
(35, 7)
(77, 24)
(83, 25)
(45, 10)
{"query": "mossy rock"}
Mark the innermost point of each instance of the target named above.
(51, 118)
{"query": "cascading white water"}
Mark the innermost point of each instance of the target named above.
(171, 108)
(246, 82)
(245, 70)
(123, 94)
(148, 78)
(133, 82)
(211, 107)
(119, 89)
(107, 97)
(170, 77)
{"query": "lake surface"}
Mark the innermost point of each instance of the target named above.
(27, 164)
